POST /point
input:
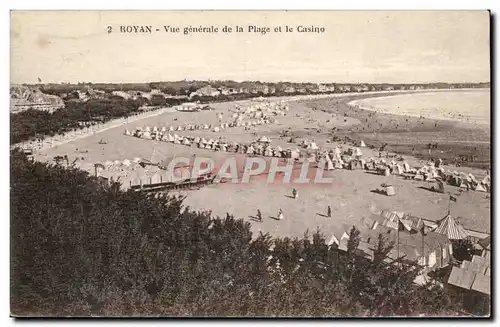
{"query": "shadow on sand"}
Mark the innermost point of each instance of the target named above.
(378, 192)
(430, 189)
(322, 215)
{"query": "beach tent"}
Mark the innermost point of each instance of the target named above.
(205, 126)
(480, 187)
(186, 141)
(147, 129)
(146, 135)
(440, 186)
(362, 144)
(389, 190)
(171, 129)
(295, 154)
(429, 178)
(163, 129)
(264, 139)
(329, 164)
(450, 227)
(127, 132)
(155, 129)
(419, 176)
(312, 146)
(216, 129)
(357, 152)
(126, 162)
(250, 150)
(398, 170)
(337, 151)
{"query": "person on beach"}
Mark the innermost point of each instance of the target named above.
(329, 212)
(295, 194)
(259, 215)
(280, 215)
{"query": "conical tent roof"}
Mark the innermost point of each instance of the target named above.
(450, 227)
(362, 144)
(329, 164)
(313, 146)
(264, 139)
(480, 187)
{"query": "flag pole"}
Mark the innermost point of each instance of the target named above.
(449, 204)
(423, 245)
(398, 243)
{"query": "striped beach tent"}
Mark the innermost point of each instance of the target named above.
(451, 228)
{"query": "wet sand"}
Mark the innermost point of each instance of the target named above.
(411, 135)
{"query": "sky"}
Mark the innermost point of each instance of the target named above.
(356, 47)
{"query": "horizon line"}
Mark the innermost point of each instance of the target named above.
(250, 81)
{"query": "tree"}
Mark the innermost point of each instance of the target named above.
(462, 249)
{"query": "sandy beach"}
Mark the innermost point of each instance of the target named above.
(352, 196)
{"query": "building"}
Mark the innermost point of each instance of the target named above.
(473, 275)
(208, 91)
(431, 250)
(22, 98)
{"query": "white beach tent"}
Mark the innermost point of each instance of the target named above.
(362, 144)
(480, 187)
(312, 146)
(264, 139)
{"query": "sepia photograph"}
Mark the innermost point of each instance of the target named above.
(250, 164)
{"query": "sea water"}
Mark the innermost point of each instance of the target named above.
(470, 106)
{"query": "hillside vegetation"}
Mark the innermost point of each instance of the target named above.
(82, 248)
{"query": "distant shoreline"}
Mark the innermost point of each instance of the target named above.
(359, 103)
(410, 135)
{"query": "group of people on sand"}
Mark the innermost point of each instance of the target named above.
(281, 216)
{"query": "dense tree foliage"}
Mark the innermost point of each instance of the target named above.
(32, 123)
(83, 248)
